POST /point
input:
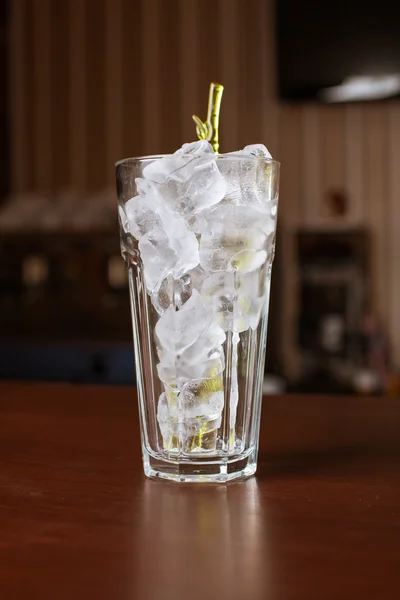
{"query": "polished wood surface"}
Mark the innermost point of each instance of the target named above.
(78, 519)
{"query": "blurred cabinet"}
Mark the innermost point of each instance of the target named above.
(63, 287)
(334, 292)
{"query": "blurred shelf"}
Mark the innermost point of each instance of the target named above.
(65, 286)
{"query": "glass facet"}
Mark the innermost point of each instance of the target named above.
(199, 244)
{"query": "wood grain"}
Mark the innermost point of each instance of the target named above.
(78, 518)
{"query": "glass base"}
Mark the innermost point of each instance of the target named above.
(190, 471)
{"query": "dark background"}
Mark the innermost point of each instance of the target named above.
(321, 43)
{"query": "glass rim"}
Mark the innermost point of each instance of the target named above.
(153, 157)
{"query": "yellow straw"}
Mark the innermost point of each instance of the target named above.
(208, 130)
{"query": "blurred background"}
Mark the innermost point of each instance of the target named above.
(87, 82)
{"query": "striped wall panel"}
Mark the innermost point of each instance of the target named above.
(96, 80)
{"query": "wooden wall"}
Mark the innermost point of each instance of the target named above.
(97, 80)
(355, 148)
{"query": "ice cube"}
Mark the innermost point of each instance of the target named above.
(162, 298)
(177, 291)
(254, 282)
(147, 190)
(172, 395)
(240, 218)
(181, 238)
(175, 371)
(219, 295)
(201, 403)
(166, 243)
(193, 188)
(236, 299)
(198, 353)
(159, 170)
(248, 176)
(184, 286)
(250, 309)
(267, 223)
(248, 260)
(186, 247)
(198, 222)
(159, 259)
(189, 429)
(223, 240)
(253, 294)
(231, 229)
(238, 215)
(163, 254)
(213, 259)
(176, 330)
(187, 182)
(198, 148)
(216, 247)
(139, 218)
(207, 344)
(167, 418)
(196, 401)
(258, 150)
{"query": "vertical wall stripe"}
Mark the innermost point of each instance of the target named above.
(170, 109)
(30, 98)
(60, 100)
(78, 117)
(266, 77)
(208, 66)
(394, 227)
(133, 81)
(95, 92)
(227, 41)
(290, 218)
(250, 97)
(291, 150)
(375, 174)
(17, 100)
(310, 160)
(332, 124)
(42, 90)
(354, 165)
(188, 35)
(114, 90)
(153, 94)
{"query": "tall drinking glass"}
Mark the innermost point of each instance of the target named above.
(198, 238)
